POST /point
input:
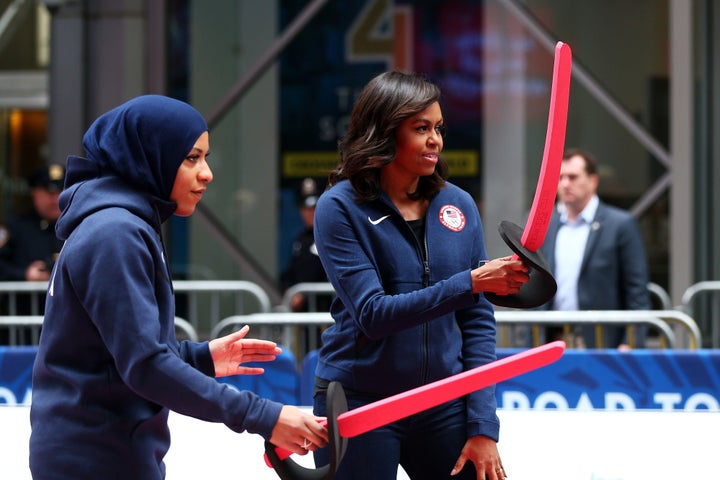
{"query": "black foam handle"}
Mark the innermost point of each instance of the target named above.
(540, 288)
(288, 469)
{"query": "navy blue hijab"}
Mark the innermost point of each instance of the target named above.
(144, 141)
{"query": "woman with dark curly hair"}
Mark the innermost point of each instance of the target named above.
(404, 250)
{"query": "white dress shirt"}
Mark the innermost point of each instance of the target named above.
(569, 251)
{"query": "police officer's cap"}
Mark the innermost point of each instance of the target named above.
(50, 177)
(308, 194)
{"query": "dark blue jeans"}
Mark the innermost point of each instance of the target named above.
(426, 444)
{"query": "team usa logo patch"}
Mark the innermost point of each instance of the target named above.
(452, 218)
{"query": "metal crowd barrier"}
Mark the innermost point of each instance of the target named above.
(661, 296)
(9, 292)
(658, 295)
(183, 329)
(20, 300)
(660, 319)
(311, 290)
(200, 303)
(286, 322)
(305, 337)
(214, 292)
(258, 310)
(710, 320)
(18, 324)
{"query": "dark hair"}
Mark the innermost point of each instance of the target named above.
(369, 144)
(590, 162)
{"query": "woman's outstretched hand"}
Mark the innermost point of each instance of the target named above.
(231, 351)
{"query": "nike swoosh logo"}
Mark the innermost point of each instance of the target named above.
(375, 222)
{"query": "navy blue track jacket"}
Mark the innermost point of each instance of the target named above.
(391, 334)
(109, 367)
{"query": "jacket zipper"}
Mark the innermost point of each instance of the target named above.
(425, 283)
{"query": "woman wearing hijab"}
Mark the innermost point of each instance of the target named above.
(109, 367)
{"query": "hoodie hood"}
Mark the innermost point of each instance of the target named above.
(144, 141)
(133, 155)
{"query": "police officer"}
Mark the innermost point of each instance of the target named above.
(304, 264)
(28, 245)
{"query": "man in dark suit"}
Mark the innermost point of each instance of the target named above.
(596, 254)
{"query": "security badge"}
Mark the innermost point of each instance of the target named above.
(55, 173)
(452, 218)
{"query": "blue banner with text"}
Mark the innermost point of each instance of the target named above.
(667, 380)
(612, 380)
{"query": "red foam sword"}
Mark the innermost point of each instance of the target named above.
(361, 420)
(526, 243)
(546, 189)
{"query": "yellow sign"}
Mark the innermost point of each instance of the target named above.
(462, 163)
(308, 164)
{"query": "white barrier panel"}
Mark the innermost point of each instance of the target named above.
(535, 445)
